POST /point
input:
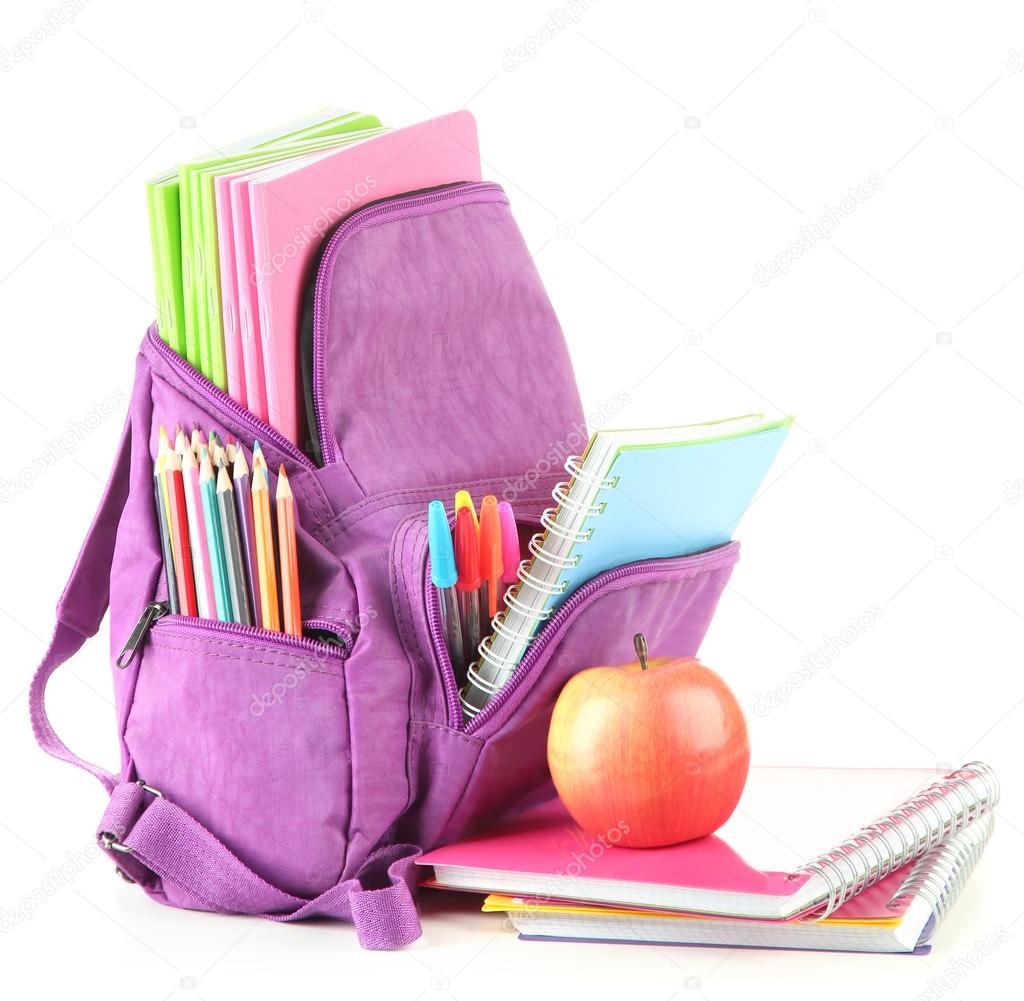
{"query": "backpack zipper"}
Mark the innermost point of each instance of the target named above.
(255, 426)
(335, 636)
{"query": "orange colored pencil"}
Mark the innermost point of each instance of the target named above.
(264, 530)
(291, 611)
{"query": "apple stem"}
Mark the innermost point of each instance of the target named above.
(640, 645)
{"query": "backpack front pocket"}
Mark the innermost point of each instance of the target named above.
(495, 762)
(248, 731)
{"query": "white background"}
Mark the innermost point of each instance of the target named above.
(655, 155)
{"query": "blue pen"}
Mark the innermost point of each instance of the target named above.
(443, 575)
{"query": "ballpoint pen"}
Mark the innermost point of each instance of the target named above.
(443, 575)
(510, 555)
(463, 500)
(467, 560)
(490, 559)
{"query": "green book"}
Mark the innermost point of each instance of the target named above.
(165, 235)
(172, 259)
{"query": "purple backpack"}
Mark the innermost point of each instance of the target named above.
(290, 777)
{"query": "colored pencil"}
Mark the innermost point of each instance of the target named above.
(287, 547)
(237, 589)
(246, 531)
(180, 542)
(264, 529)
(162, 449)
(258, 458)
(198, 441)
(181, 443)
(165, 535)
(197, 535)
(214, 542)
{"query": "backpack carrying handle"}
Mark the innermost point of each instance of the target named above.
(153, 840)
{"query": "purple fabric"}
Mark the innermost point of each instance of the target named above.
(179, 850)
(296, 780)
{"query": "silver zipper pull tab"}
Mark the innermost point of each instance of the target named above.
(153, 611)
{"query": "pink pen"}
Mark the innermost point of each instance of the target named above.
(510, 556)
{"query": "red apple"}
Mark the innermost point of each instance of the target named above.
(659, 746)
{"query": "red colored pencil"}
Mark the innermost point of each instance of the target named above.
(180, 537)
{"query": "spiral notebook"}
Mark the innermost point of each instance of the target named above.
(898, 914)
(634, 495)
(764, 863)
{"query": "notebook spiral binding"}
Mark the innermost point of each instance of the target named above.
(501, 669)
(940, 876)
(919, 824)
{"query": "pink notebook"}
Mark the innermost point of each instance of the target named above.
(784, 852)
(229, 289)
(292, 206)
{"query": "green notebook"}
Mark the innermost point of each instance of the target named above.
(172, 256)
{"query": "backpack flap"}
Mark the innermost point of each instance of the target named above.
(436, 355)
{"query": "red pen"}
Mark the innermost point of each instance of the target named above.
(490, 557)
(467, 562)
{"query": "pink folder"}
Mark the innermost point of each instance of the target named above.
(292, 206)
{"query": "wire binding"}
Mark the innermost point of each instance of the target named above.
(502, 668)
(561, 495)
(940, 876)
(574, 468)
(547, 519)
(923, 822)
(536, 546)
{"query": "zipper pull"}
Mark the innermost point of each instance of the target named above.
(153, 611)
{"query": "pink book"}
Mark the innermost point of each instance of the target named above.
(293, 205)
(775, 858)
(233, 363)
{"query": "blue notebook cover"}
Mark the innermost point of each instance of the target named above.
(673, 499)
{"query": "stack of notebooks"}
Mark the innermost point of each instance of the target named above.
(235, 233)
(782, 872)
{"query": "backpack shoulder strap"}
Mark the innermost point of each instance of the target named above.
(81, 608)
